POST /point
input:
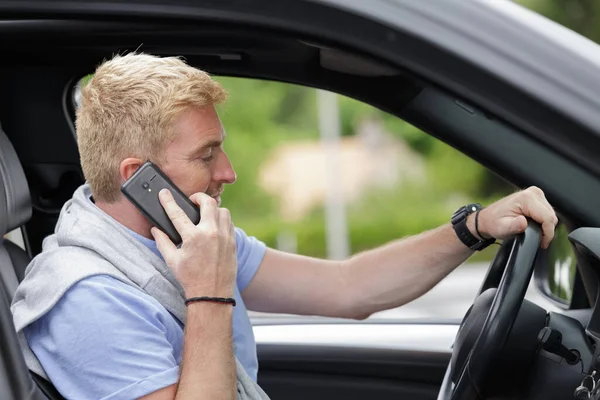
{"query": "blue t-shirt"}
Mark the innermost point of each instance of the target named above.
(105, 339)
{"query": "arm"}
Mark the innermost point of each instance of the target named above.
(389, 276)
(379, 279)
(208, 367)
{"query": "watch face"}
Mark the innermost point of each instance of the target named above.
(462, 212)
(473, 207)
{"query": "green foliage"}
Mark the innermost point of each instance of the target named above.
(257, 119)
(261, 115)
(84, 81)
(560, 257)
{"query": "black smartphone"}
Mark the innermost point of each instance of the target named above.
(142, 190)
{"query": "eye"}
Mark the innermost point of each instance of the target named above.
(208, 157)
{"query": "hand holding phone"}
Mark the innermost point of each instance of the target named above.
(206, 262)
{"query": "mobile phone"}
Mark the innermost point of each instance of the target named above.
(142, 190)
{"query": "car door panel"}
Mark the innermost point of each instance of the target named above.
(360, 361)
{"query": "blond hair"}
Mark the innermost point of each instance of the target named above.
(128, 109)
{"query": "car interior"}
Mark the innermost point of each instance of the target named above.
(39, 170)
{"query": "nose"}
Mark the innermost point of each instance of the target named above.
(224, 172)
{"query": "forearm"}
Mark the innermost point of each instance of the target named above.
(401, 271)
(208, 366)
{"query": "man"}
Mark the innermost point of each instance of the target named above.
(103, 306)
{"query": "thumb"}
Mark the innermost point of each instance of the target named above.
(518, 224)
(164, 244)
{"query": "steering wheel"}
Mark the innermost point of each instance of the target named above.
(510, 272)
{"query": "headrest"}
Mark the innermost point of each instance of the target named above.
(15, 201)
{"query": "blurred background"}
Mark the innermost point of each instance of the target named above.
(327, 176)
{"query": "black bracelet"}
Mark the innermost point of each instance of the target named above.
(477, 225)
(221, 300)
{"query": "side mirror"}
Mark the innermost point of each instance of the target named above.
(556, 269)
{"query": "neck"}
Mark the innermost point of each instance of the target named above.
(127, 215)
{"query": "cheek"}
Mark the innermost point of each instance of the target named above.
(195, 179)
(189, 178)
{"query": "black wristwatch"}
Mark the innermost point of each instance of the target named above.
(459, 223)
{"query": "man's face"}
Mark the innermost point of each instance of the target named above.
(195, 160)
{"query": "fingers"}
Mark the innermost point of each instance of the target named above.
(225, 224)
(519, 224)
(540, 194)
(179, 218)
(537, 210)
(548, 235)
(164, 244)
(550, 221)
(208, 209)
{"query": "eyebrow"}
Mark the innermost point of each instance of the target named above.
(206, 145)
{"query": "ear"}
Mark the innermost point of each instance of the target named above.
(128, 167)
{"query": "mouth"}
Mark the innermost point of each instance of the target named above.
(217, 197)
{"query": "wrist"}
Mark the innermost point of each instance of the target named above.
(218, 300)
(210, 306)
(476, 226)
(212, 312)
(465, 223)
(471, 227)
(202, 291)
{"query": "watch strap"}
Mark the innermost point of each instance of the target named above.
(464, 234)
(459, 223)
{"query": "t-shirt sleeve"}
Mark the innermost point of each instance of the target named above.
(250, 253)
(105, 340)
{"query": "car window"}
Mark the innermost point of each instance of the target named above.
(16, 236)
(76, 93)
(560, 265)
(324, 175)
